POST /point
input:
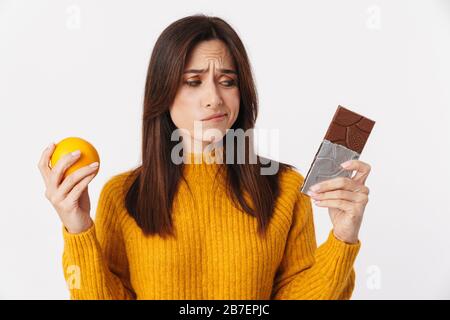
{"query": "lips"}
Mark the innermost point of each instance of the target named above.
(217, 115)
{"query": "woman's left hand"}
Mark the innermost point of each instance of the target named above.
(346, 199)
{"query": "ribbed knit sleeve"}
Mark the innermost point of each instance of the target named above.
(95, 261)
(308, 272)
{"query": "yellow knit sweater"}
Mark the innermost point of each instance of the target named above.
(217, 254)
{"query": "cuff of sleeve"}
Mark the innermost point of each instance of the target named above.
(339, 244)
(340, 256)
(77, 243)
(346, 252)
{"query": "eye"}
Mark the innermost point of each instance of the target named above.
(193, 83)
(229, 83)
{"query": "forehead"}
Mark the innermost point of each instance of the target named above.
(205, 52)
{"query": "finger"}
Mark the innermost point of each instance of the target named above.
(61, 166)
(362, 169)
(340, 194)
(362, 189)
(344, 205)
(338, 183)
(78, 189)
(44, 161)
(71, 180)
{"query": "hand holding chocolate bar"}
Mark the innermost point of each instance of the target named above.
(345, 139)
(329, 180)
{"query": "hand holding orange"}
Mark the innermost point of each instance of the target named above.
(88, 153)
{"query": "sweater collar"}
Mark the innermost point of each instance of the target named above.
(205, 164)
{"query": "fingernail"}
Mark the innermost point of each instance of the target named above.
(94, 164)
(316, 202)
(315, 188)
(50, 145)
(76, 153)
(311, 194)
(345, 164)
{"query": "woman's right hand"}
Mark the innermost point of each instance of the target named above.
(69, 196)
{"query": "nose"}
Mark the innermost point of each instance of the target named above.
(212, 96)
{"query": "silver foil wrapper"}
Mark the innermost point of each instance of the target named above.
(327, 164)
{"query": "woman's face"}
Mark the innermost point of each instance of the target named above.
(209, 88)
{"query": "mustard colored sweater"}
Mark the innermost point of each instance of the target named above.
(217, 254)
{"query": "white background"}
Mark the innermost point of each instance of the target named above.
(77, 68)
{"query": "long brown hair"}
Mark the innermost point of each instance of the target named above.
(150, 196)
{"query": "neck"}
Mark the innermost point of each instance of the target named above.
(202, 149)
(194, 146)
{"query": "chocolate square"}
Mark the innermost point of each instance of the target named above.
(349, 129)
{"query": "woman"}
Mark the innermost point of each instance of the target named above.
(173, 229)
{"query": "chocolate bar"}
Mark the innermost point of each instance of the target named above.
(345, 140)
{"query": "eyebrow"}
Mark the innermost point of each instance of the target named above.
(204, 70)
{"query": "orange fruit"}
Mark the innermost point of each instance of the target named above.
(68, 145)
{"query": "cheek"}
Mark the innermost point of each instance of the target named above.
(183, 111)
(233, 102)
